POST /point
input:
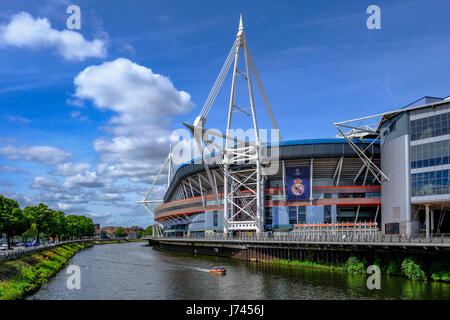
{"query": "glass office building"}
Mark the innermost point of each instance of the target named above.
(415, 147)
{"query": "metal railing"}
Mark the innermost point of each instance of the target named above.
(19, 252)
(319, 236)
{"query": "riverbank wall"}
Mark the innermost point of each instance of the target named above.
(24, 275)
(415, 262)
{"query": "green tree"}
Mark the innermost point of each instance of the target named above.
(30, 233)
(147, 232)
(79, 226)
(121, 233)
(74, 228)
(13, 221)
(58, 225)
(88, 228)
(41, 216)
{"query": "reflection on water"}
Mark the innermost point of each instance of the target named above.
(136, 271)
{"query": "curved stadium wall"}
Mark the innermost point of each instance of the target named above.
(342, 191)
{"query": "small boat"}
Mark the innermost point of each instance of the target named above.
(219, 270)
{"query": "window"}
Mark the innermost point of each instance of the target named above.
(430, 154)
(293, 215)
(430, 183)
(392, 228)
(393, 126)
(215, 219)
(433, 126)
(268, 216)
(327, 214)
(301, 214)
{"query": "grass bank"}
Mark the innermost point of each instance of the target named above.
(306, 264)
(412, 268)
(21, 277)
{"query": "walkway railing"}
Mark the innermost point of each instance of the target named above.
(19, 252)
(320, 236)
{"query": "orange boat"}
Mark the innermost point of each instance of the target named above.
(219, 270)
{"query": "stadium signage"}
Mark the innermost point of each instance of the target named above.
(298, 183)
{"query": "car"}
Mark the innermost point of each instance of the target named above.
(3, 247)
(28, 245)
(35, 244)
(19, 244)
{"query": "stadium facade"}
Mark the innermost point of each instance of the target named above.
(389, 179)
(341, 191)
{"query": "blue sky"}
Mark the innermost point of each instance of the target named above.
(82, 126)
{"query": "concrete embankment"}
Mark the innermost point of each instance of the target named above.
(414, 262)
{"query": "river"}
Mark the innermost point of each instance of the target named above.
(136, 271)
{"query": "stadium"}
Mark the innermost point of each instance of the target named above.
(342, 192)
(391, 178)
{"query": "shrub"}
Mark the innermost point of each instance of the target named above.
(440, 270)
(355, 266)
(393, 268)
(441, 276)
(413, 270)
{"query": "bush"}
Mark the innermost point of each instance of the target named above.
(413, 270)
(440, 270)
(393, 268)
(355, 266)
(441, 276)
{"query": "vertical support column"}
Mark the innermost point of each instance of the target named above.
(259, 191)
(427, 221)
(225, 203)
(432, 222)
(283, 176)
(311, 177)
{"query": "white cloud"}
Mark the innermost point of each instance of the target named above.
(77, 115)
(144, 104)
(71, 208)
(17, 119)
(27, 32)
(89, 179)
(43, 154)
(70, 169)
(100, 215)
(10, 169)
(23, 200)
(44, 183)
(75, 102)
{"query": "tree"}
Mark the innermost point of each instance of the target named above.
(13, 221)
(58, 225)
(87, 225)
(30, 233)
(121, 233)
(74, 228)
(40, 215)
(79, 226)
(148, 231)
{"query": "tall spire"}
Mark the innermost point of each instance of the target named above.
(241, 25)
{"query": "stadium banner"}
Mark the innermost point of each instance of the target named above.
(298, 182)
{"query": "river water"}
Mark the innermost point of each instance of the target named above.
(137, 271)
